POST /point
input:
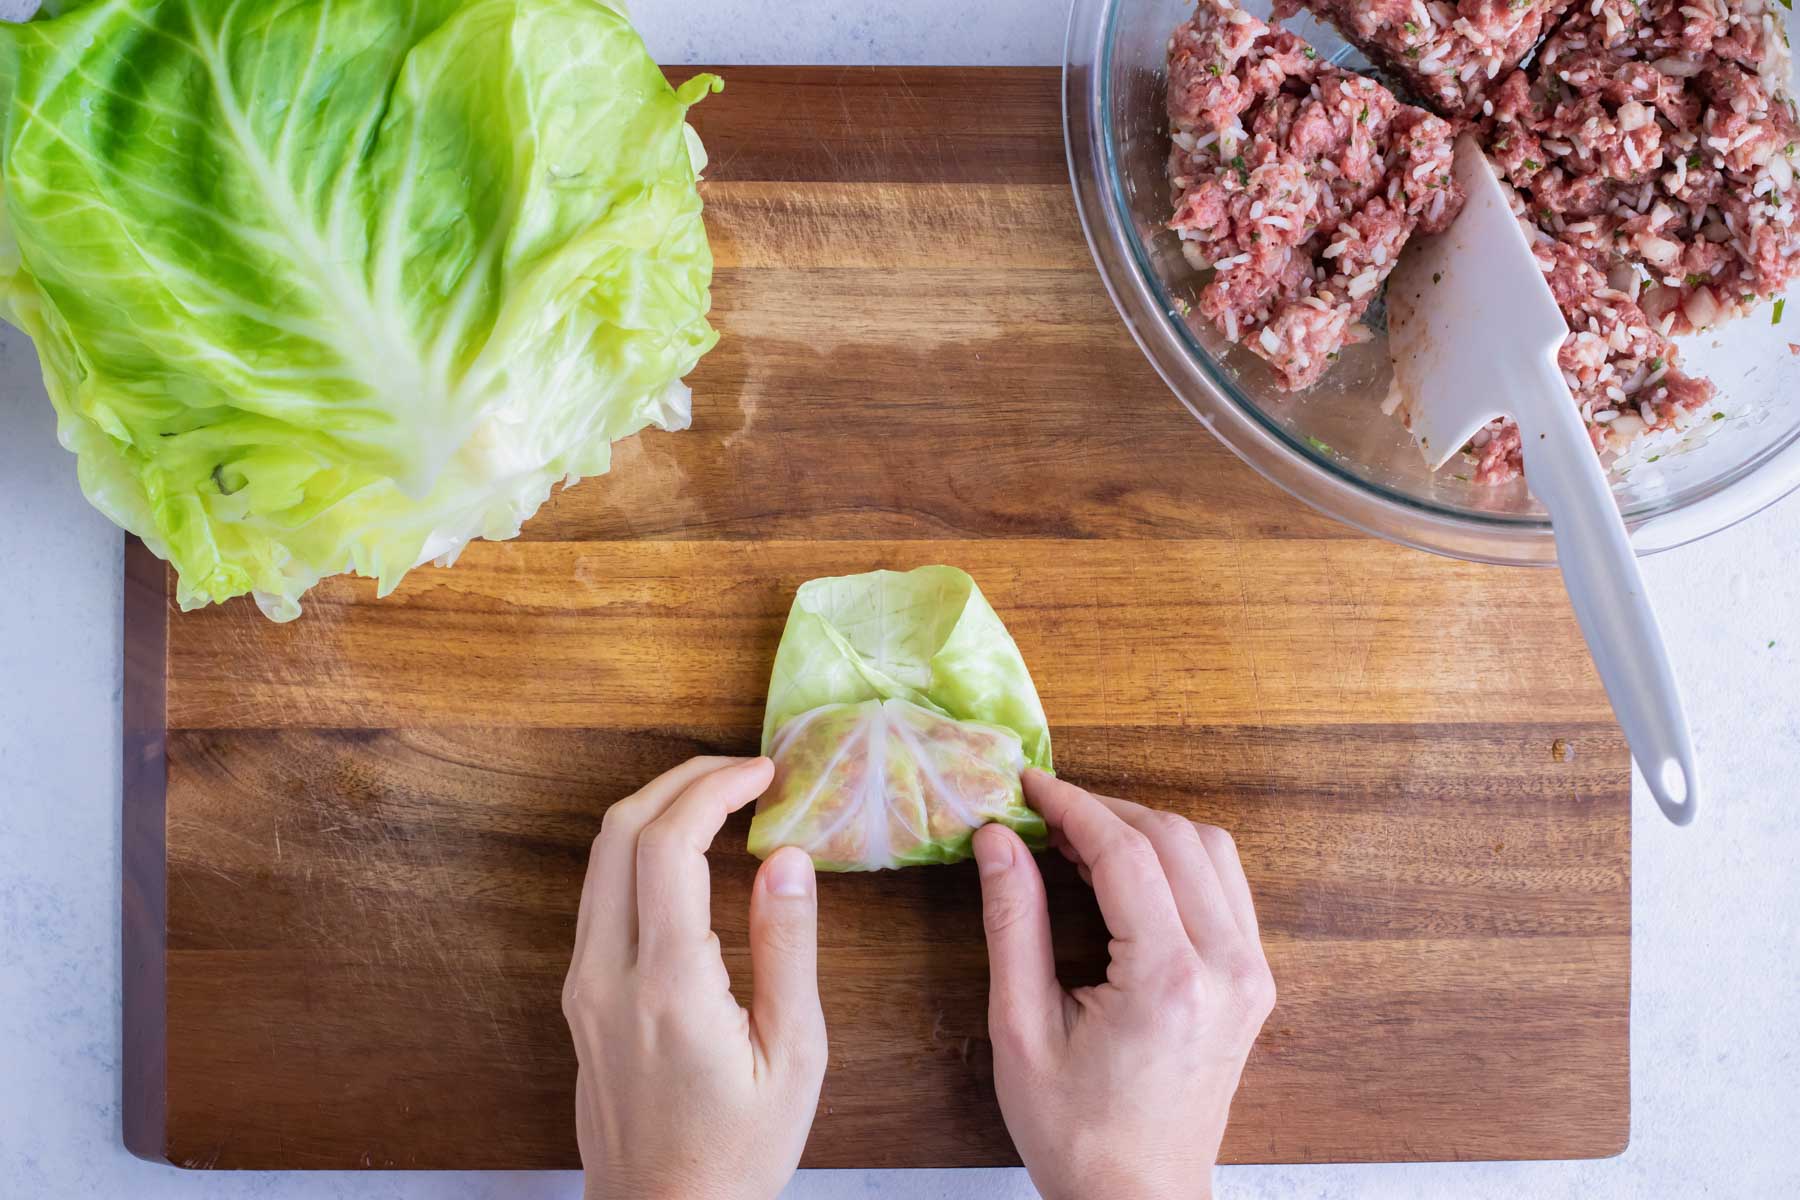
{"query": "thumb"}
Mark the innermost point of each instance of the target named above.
(784, 963)
(1023, 991)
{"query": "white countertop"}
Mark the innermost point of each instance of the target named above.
(1715, 1081)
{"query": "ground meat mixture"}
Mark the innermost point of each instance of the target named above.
(1449, 54)
(1623, 373)
(1653, 147)
(1296, 183)
(1658, 139)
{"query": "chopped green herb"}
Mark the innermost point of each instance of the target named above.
(1532, 164)
(1242, 168)
(1693, 280)
(1362, 118)
(1412, 52)
(1655, 364)
(1464, 478)
(1311, 53)
(1321, 447)
(1332, 357)
(1654, 458)
(1771, 643)
(1411, 27)
(1775, 317)
(1694, 161)
(1718, 416)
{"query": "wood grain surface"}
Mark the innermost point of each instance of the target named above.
(355, 842)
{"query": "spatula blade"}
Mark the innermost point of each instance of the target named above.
(1465, 308)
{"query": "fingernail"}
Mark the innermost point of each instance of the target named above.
(790, 874)
(993, 853)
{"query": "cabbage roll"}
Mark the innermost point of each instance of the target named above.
(886, 783)
(900, 717)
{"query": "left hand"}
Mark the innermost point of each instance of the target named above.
(681, 1092)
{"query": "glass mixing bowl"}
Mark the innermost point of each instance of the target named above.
(1331, 446)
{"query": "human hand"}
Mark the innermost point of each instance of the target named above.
(1121, 1091)
(681, 1093)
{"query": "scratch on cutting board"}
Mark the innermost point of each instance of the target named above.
(720, 166)
(1158, 681)
(1266, 753)
(187, 885)
(1256, 688)
(204, 1164)
(221, 873)
(473, 980)
(1362, 629)
(906, 89)
(1106, 709)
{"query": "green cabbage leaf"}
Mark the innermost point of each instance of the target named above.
(339, 285)
(900, 715)
(887, 783)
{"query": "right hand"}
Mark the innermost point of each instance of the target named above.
(1121, 1091)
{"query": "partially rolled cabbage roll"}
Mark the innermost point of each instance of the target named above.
(900, 718)
(886, 783)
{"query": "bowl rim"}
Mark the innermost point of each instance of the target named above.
(1193, 375)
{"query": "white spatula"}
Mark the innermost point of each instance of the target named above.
(1474, 332)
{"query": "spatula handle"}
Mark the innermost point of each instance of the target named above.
(1606, 589)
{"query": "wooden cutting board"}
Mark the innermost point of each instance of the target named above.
(354, 843)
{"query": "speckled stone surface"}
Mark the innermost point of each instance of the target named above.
(1716, 981)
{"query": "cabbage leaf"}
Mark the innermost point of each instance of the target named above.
(927, 636)
(900, 716)
(886, 783)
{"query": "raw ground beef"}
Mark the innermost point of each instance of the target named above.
(1296, 183)
(1623, 373)
(1653, 146)
(1658, 140)
(1448, 54)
